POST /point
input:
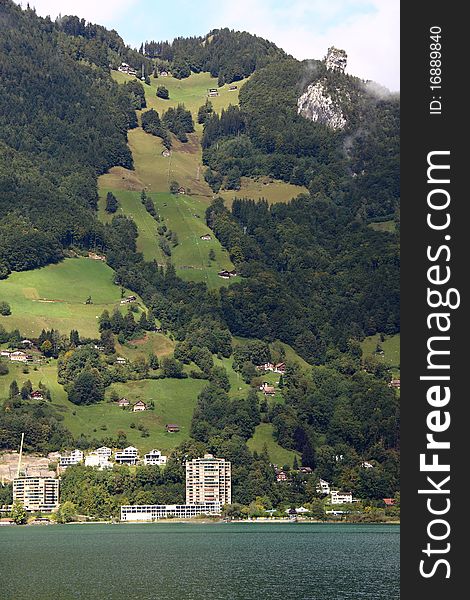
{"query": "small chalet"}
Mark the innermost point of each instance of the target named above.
(120, 360)
(227, 274)
(172, 428)
(213, 92)
(164, 74)
(181, 190)
(395, 383)
(267, 389)
(306, 470)
(20, 356)
(27, 343)
(281, 476)
(6, 353)
(232, 88)
(139, 406)
(95, 256)
(206, 237)
(367, 465)
(266, 367)
(37, 395)
(389, 501)
(280, 368)
(166, 153)
(123, 403)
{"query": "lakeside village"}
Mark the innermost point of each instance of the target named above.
(208, 491)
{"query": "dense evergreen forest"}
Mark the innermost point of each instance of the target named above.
(226, 54)
(313, 273)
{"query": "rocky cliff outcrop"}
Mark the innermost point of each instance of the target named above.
(321, 104)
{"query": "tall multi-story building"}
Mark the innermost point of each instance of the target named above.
(208, 479)
(37, 493)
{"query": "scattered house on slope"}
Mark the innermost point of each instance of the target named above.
(139, 406)
(5, 353)
(227, 274)
(164, 74)
(395, 383)
(306, 470)
(323, 487)
(166, 153)
(212, 92)
(19, 356)
(367, 465)
(232, 88)
(206, 237)
(129, 300)
(37, 395)
(95, 256)
(123, 403)
(267, 389)
(389, 501)
(280, 475)
(280, 368)
(341, 497)
(266, 367)
(172, 428)
(120, 360)
(155, 457)
(181, 190)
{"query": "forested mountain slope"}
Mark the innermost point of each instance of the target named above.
(62, 122)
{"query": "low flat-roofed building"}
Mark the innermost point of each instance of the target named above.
(154, 512)
(37, 493)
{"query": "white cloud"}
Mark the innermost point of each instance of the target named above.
(103, 12)
(367, 30)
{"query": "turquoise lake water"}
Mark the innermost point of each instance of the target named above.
(249, 561)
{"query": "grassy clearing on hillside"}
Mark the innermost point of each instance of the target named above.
(271, 190)
(277, 454)
(390, 347)
(178, 213)
(192, 92)
(155, 343)
(174, 403)
(384, 226)
(54, 296)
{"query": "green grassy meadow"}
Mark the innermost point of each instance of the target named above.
(277, 455)
(390, 347)
(54, 296)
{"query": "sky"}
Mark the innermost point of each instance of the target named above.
(367, 29)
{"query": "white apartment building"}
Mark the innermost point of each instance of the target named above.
(153, 512)
(74, 458)
(208, 479)
(155, 457)
(128, 456)
(341, 497)
(104, 452)
(97, 460)
(37, 493)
